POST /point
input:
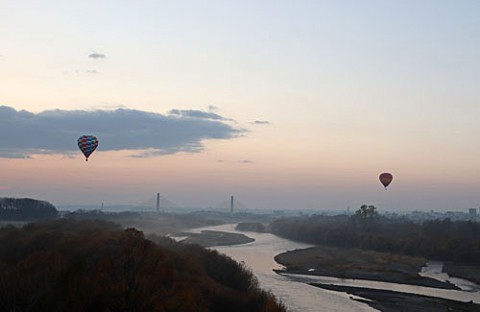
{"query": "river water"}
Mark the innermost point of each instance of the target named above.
(295, 292)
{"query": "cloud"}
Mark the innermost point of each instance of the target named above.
(13, 153)
(97, 56)
(23, 133)
(260, 122)
(246, 161)
(196, 114)
(91, 71)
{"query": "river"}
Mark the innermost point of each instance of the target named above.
(295, 292)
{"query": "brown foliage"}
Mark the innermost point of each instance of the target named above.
(69, 265)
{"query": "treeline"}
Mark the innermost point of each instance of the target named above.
(251, 227)
(26, 209)
(444, 240)
(72, 265)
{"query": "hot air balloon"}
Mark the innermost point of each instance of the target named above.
(87, 144)
(385, 178)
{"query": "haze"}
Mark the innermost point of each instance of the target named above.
(285, 104)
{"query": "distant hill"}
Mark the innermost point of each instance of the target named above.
(26, 209)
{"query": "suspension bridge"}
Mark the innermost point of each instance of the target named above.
(160, 203)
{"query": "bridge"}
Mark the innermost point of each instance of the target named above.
(160, 203)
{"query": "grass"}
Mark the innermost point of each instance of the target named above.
(359, 264)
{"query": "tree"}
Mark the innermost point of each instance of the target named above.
(366, 212)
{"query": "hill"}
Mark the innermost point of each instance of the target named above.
(26, 209)
(92, 265)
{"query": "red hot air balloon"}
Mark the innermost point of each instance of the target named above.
(87, 144)
(385, 178)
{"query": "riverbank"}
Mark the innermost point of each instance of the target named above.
(296, 290)
(216, 238)
(468, 272)
(358, 264)
(392, 301)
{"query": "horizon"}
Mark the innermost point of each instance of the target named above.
(285, 105)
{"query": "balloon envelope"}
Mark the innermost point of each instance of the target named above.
(385, 178)
(87, 144)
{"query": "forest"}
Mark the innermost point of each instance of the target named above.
(26, 209)
(93, 265)
(443, 240)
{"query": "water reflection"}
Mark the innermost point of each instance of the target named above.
(294, 291)
(296, 295)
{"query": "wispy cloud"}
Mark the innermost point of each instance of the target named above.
(212, 108)
(245, 161)
(260, 122)
(190, 113)
(91, 71)
(97, 56)
(23, 133)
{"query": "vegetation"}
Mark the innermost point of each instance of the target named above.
(251, 227)
(91, 265)
(358, 264)
(387, 300)
(437, 239)
(468, 272)
(216, 238)
(158, 223)
(26, 209)
(366, 213)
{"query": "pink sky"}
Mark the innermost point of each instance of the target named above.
(345, 90)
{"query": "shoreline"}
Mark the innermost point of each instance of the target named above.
(423, 282)
(358, 264)
(393, 301)
(209, 238)
(384, 300)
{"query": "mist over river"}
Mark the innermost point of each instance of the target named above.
(295, 292)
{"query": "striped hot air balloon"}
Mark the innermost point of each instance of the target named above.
(87, 144)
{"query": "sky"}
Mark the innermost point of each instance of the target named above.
(284, 104)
